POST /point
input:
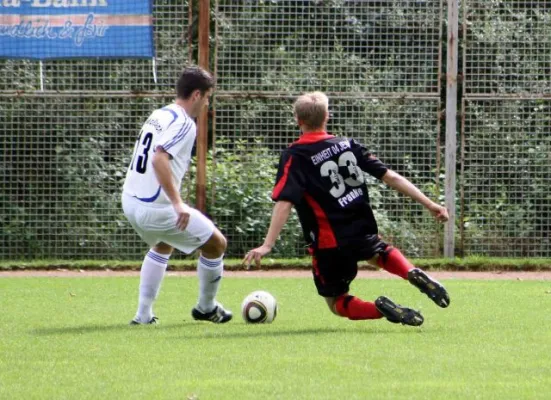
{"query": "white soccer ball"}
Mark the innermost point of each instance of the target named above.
(259, 307)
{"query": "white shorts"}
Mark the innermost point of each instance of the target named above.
(157, 224)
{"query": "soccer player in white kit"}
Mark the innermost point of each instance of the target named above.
(152, 203)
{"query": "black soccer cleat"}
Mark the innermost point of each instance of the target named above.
(397, 314)
(218, 315)
(433, 289)
(152, 321)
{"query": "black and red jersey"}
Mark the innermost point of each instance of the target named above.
(323, 176)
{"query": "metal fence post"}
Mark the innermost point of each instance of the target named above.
(451, 125)
(202, 126)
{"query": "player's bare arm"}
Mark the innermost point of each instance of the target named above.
(280, 215)
(404, 186)
(163, 172)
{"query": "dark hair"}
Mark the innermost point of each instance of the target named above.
(192, 79)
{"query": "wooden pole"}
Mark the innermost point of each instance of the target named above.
(451, 125)
(202, 123)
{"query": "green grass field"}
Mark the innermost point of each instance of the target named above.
(68, 338)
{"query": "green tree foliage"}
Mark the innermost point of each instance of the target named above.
(339, 46)
(507, 176)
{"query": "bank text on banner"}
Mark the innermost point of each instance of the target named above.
(54, 29)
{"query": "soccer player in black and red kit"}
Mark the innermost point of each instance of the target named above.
(322, 176)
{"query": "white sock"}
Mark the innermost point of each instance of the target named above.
(151, 275)
(210, 275)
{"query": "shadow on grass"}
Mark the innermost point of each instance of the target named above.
(286, 332)
(247, 331)
(95, 328)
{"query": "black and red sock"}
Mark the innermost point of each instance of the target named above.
(394, 262)
(356, 309)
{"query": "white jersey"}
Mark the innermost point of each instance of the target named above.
(172, 129)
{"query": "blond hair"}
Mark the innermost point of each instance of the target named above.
(311, 109)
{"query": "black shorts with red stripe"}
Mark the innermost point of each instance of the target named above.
(334, 269)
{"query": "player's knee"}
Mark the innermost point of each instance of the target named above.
(223, 243)
(220, 243)
(163, 248)
(216, 246)
(331, 304)
(335, 312)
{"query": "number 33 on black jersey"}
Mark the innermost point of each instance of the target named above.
(323, 176)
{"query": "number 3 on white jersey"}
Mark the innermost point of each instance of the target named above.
(331, 169)
(145, 145)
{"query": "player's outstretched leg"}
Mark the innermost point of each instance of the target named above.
(353, 308)
(393, 261)
(151, 276)
(431, 287)
(209, 270)
(395, 313)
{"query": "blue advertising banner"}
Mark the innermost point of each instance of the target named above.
(53, 29)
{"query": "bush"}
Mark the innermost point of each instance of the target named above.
(240, 183)
(241, 179)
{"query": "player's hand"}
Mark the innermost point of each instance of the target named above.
(182, 216)
(439, 212)
(256, 255)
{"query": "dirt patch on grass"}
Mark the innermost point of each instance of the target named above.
(60, 273)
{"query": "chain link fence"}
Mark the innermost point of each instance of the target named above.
(506, 132)
(380, 64)
(64, 151)
(351, 47)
